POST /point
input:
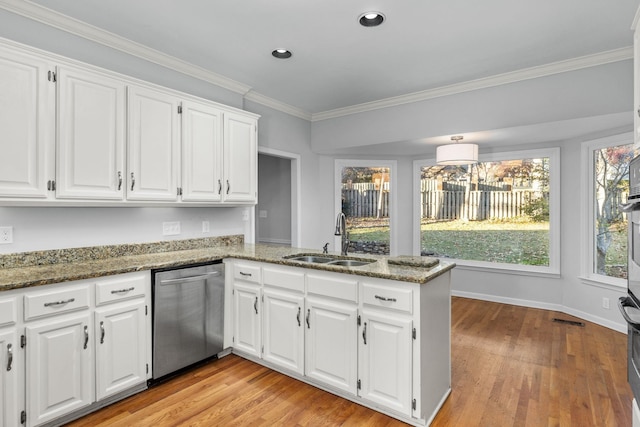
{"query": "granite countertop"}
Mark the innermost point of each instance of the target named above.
(407, 269)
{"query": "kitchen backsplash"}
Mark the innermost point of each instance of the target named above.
(91, 253)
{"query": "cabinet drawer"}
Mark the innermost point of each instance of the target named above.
(8, 311)
(53, 302)
(332, 286)
(246, 272)
(283, 278)
(387, 297)
(120, 288)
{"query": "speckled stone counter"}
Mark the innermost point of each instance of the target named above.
(23, 270)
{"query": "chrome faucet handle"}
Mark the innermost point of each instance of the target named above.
(325, 248)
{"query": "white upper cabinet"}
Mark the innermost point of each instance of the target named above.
(154, 145)
(201, 153)
(91, 138)
(27, 112)
(240, 158)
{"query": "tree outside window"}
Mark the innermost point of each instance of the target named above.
(611, 188)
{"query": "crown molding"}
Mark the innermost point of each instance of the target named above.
(573, 64)
(277, 105)
(82, 29)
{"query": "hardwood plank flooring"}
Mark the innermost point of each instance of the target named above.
(511, 366)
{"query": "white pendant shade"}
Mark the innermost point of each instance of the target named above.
(457, 154)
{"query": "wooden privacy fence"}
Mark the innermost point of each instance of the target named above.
(362, 201)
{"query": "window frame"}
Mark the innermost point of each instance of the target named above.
(553, 269)
(587, 217)
(339, 164)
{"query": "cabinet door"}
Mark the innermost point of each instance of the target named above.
(27, 120)
(386, 360)
(240, 158)
(283, 334)
(10, 373)
(247, 319)
(332, 343)
(120, 348)
(91, 117)
(153, 138)
(59, 367)
(201, 153)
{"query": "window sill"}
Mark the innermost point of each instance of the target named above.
(610, 283)
(521, 270)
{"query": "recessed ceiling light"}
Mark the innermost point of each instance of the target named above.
(371, 19)
(281, 53)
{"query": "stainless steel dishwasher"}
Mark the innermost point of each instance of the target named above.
(188, 316)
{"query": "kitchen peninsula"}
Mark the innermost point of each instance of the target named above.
(377, 334)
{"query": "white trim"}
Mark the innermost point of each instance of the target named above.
(296, 191)
(587, 219)
(82, 29)
(393, 185)
(114, 41)
(619, 327)
(254, 96)
(572, 64)
(604, 282)
(553, 269)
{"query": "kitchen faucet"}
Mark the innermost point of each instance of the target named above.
(341, 230)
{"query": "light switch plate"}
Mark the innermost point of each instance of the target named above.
(171, 228)
(205, 226)
(6, 235)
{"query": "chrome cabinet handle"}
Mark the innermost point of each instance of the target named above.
(122, 291)
(384, 299)
(119, 180)
(188, 279)
(50, 304)
(228, 186)
(255, 305)
(245, 274)
(133, 181)
(86, 336)
(298, 317)
(9, 356)
(101, 332)
(308, 315)
(219, 187)
(364, 333)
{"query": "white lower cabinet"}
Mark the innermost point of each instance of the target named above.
(381, 343)
(11, 371)
(385, 360)
(283, 333)
(59, 367)
(79, 349)
(120, 347)
(247, 319)
(331, 349)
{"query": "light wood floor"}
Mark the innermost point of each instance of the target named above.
(511, 366)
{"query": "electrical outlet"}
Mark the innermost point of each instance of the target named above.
(6, 235)
(205, 226)
(171, 228)
(605, 303)
(263, 214)
(245, 214)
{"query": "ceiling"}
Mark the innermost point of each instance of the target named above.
(337, 64)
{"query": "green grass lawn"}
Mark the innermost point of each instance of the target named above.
(517, 242)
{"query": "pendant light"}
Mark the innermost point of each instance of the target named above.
(457, 153)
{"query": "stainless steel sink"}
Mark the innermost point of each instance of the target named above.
(349, 262)
(330, 260)
(312, 258)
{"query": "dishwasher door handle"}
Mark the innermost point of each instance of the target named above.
(189, 279)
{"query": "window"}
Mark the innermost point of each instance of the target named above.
(364, 195)
(607, 175)
(500, 213)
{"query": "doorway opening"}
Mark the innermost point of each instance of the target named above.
(277, 212)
